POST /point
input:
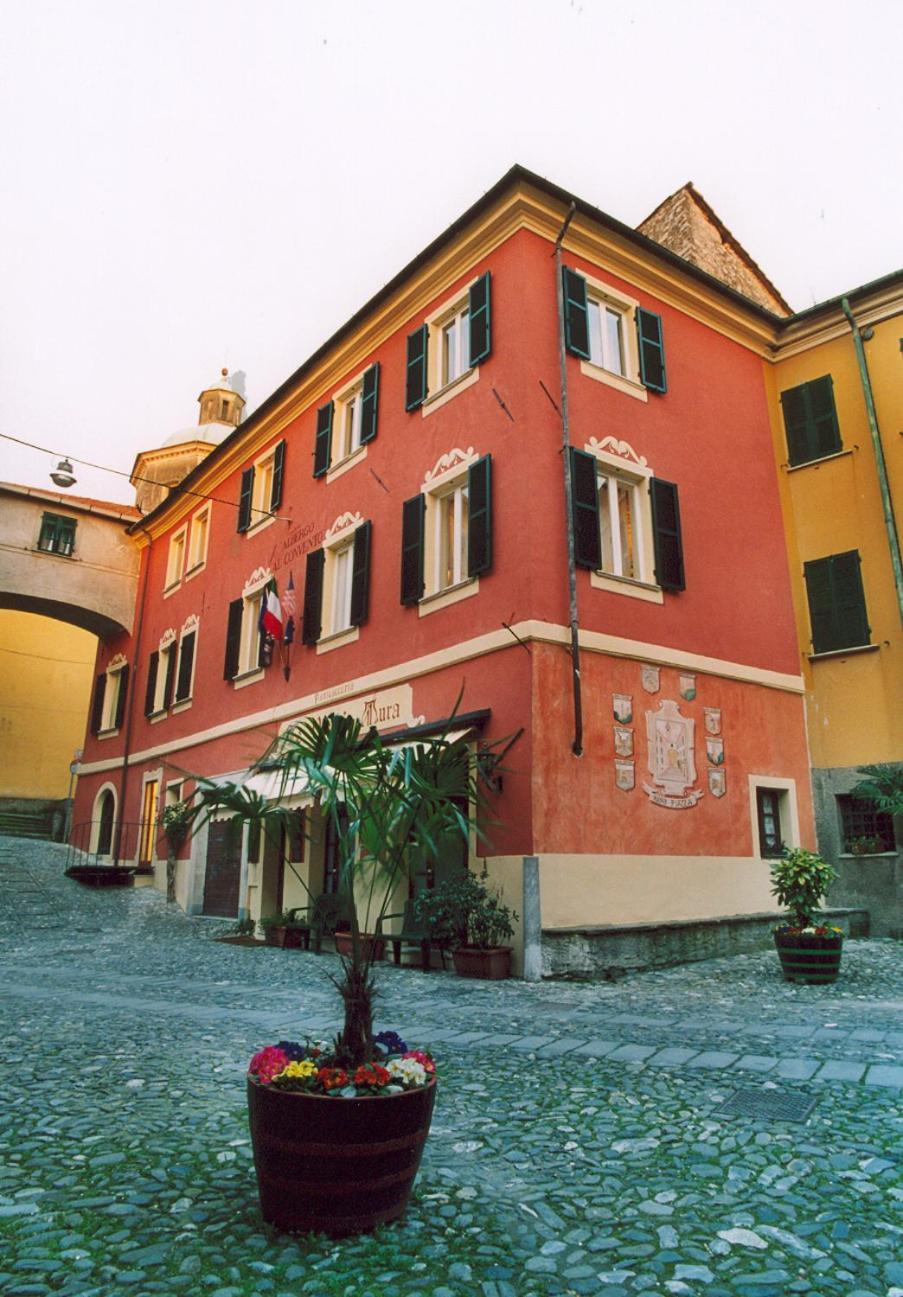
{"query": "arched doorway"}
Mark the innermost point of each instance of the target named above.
(103, 821)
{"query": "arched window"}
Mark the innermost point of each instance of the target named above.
(104, 821)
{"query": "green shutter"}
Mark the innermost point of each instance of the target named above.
(186, 662)
(313, 597)
(836, 598)
(576, 317)
(666, 535)
(810, 421)
(150, 692)
(412, 528)
(415, 382)
(233, 639)
(369, 403)
(360, 575)
(652, 350)
(585, 509)
(323, 441)
(244, 499)
(278, 473)
(100, 686)
(123, 682)
(479, 516)
(480, 319)
(296, 837)
(169, 682)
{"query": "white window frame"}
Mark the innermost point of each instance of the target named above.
(175, 559)
(198, 540)
(618, 462)
(264, 469)
(95, 820)
(335, 611)
(249, 669)
(191, 626)
(441, 485)
(168, 644)
(604, 297)
(439, 386)
(113, 685)
(348, 403)
(788, 811)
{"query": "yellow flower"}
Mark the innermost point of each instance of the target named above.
(302, 1069)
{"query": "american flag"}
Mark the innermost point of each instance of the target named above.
(288, 609)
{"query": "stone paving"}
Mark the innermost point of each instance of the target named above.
(577, 1146)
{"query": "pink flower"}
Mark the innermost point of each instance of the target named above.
(424, 1059)
(268, 1063)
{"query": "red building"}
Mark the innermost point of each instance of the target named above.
(408, 483)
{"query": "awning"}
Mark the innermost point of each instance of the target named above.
(273, 786)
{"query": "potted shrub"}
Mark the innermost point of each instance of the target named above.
(809, 951)
(338, 1127)
(284, 930)
(464, 915)
(177, 820)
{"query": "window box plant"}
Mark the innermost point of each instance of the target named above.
(809, 950)
(338, 1128)
(464, 915)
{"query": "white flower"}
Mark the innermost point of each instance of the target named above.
(408, 1071)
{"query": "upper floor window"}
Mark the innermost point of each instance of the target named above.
(110, 690)
(450, 344)
(175, 563)
(447, 529)
(622, 342)
(246, 639)
(185, 662)
(161, 674)
(810, 421)
(337, 583)
(261, 489)
(57, 534)
(347, 423)
(836, 599)
(198, 535)
(626, 522)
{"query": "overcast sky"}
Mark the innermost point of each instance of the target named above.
(216, 182)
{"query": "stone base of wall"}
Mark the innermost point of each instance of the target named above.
(875, 883)
(608, 952)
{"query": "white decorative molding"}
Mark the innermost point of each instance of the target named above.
(117, 663)
(191, 623)
(168, 637)
(260, 576)
(612, 446)
(455, 458)
(342, 523)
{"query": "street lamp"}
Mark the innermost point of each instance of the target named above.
(63, 475)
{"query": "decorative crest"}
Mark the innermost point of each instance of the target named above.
(612, 446)
(343, 521)
(450, 460)
(260, 576)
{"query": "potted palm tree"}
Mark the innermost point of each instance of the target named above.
(809, 951)
(338, 1127)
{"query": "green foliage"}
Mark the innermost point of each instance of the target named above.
(799, 880)
(286, 919)
(883, 785)
(866, 846)
(464, 912)
(177, 820)
(243, 928)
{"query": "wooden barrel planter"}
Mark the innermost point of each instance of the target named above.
(336, 1166)
(806, 957)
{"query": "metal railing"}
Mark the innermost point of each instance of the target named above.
(95, 843)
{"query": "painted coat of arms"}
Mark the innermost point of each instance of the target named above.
(625, 779)
(714, 750)
(687, 686)
(717, 783)
(623, 708)
(651, 678)
(672, 761)
(712, 720)
(623, 742)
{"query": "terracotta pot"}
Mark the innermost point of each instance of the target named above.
(371, 946)
(806, 957)
(336, 1166)
(284, 937)
(493, 964)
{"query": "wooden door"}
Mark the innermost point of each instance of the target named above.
(148, 838)
(222, 877)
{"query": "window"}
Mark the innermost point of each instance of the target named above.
(347, 423)
(185, 662)
(810, 421)
(110, 690)
(175, 562)
(865, 830)
(161, 676)
(619, 338)
(447, 529)
(197, 540)
(57, 534)
(337, 582)
(450, 344)
(836, 602)
(261, 489)
(768, 811)
(246, 651)
(626, 522)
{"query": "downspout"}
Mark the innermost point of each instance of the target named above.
(127, 739)
(887, 504)
(577, 745)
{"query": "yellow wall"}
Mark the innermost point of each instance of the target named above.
(46, 675)
(834, 505)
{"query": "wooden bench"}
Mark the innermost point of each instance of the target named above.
(413, 932)
(325, 914)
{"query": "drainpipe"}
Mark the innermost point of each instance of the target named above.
(577, 745)
(127, 738)
(887, 504)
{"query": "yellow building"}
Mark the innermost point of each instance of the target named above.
(46, 674)
(836, 395)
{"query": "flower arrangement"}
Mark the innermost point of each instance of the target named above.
(313, 1069)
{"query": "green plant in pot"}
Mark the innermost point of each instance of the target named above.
(284, 930)
(466, 916)
(338, 1127)
(177, 820)
(808, 949)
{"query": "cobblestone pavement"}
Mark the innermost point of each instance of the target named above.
(578, 1144)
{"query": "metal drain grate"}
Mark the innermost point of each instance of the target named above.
(768, 1105)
